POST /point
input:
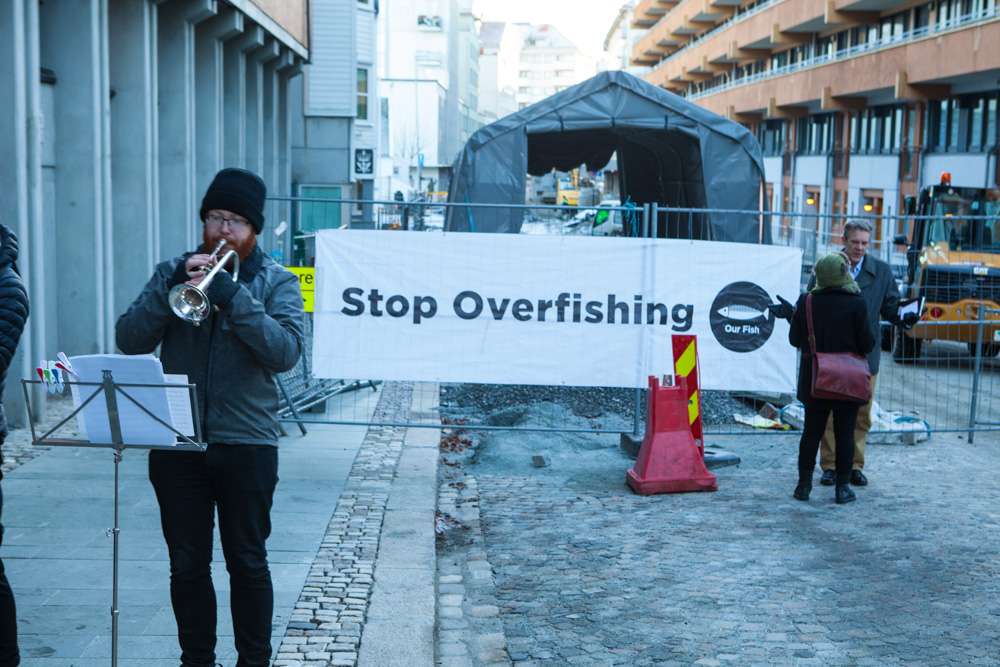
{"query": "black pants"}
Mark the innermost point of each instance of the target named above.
(239, 481)
(9, 656)
(844, 420)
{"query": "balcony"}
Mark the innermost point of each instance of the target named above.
(938, 53)
(648, 12)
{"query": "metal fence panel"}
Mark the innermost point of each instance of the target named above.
(944, 379)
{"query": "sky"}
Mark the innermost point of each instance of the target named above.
(583, 22)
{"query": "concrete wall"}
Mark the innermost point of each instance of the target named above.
(966, 170)
(121, 112)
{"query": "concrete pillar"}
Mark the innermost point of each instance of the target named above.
(283, 185)
(21, 200)
(134, 167)
(254, 108)
(269, 111)
(71, 41)
(176, 105)
(235, 93)
(209, 118)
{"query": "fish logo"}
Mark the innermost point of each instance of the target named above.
(739, 317)
(740, 312)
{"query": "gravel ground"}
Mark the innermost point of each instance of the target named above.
(502, 405)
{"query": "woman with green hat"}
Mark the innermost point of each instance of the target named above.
(840, 324)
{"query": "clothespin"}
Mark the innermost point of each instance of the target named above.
(64, 364)
(57, 377)
(46, 375)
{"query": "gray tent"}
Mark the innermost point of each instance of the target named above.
(670, 151)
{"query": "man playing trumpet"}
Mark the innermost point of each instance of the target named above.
(252, 331)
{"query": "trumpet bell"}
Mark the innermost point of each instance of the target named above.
(189, 303)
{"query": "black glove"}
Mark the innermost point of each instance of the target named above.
(910, 319)
(782, 309)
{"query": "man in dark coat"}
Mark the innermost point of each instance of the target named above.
(13, 315)
(878, 287)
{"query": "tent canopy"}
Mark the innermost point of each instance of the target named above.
(670, 151)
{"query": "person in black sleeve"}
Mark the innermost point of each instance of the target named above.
(13, 316)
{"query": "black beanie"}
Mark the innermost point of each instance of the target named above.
(239, 191)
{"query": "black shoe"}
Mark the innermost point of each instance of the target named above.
(845, 495)
(829, 478)
(858, 478)
(802, 492)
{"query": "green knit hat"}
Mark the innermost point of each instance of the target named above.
(833, 270)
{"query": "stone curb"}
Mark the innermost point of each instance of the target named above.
(325, 627)
(470, 632)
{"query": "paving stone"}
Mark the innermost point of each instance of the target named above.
(583, 571)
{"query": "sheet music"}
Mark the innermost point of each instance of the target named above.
(915, 306)
(179, 402)
(137, 427)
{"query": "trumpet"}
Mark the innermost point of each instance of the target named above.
(190, 302)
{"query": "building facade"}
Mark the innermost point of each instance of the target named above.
(499, 49)
(548, 63)
(618, 43)
(335, 115)
(856, 103)
(429, 77)
(119, 113)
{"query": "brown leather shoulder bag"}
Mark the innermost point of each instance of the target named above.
(839, 376)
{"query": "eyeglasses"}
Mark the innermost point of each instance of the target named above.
(234, 223)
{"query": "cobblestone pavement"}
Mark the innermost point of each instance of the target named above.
(564, 565)
(325, 626)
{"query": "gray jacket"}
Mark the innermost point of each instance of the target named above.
(234, 355)
(881, 294)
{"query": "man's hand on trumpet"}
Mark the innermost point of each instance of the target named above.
(198, 266)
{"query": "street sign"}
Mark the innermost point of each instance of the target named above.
(307, 281)
(420, 159)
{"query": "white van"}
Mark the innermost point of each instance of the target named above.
(607, 222)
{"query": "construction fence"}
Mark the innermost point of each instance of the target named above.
(940, 376)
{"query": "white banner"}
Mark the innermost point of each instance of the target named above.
(549, 310)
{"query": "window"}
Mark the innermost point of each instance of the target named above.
(320, 214)
(826, 47)
(362, 108)
(816, 134)
(771, 137)
(991, 123)
(922, 16)
(843, 40)
(877, 130)
(967, 124)
(976, 123)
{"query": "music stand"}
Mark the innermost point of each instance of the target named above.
(111, 389)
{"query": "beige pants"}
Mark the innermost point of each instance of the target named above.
(826, 448)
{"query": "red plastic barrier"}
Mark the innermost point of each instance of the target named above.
(669, 460)
(686, 365)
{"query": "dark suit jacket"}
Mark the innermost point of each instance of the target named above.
(881, 294)
(840, 322)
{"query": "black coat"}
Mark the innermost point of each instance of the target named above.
(13, 311)
(840, 323)
(878, 287)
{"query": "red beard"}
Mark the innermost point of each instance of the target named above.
(243, 248)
